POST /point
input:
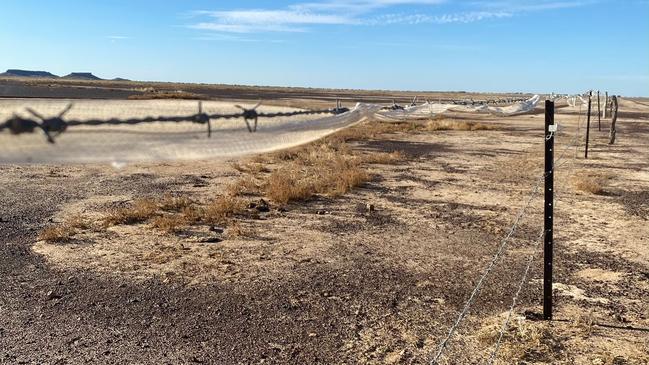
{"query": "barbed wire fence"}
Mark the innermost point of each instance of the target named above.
(52, 127)
(559, 162)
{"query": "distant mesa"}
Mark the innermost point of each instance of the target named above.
(26, 73)
(81, 76)
(47, 75)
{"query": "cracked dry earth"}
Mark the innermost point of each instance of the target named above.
(329, 282)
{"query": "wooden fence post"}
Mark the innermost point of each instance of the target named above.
(614, 107)
(599, 114)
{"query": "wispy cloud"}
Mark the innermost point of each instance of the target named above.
(301, 17)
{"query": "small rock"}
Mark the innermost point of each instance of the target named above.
(51, 295)
(313, 334)
(370, 207)
(262, 206)
(321, 212)
(216, 229)
(211, 240)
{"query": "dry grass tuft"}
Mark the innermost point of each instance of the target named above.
(223, 208)
(524, 340)
(57, 234)
(139, 212)
(192, 214)
(65, 231)
(246, 185)
(457, 125)
(169, 223)
(323, 168)
(251, 167)
(589, 183)
(171, 203)
(385, 158)
(237, 230)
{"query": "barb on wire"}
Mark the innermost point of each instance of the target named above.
(250, 114)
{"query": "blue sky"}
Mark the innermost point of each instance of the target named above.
(490, 45)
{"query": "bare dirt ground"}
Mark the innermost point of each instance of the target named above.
(329, 281)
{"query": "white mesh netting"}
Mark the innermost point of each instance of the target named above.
(185, 141)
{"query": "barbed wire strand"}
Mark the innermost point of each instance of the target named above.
(521, 284)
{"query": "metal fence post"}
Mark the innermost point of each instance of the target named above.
(590, 100)
(548, 209)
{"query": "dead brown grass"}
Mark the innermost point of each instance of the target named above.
(192, 214)
(172, 223)
(172, 203)
(246, 185)
(57, 234)
(237, 230)
(458, 125)
(591, 183)
(384, 158)
(139, 212)
(523, 340)
(65, 231)
(221, 209)
(182, 95)
(324, 168)
(252, 167)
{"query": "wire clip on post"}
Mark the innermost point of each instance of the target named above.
(548, 209)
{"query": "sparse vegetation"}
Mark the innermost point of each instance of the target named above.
(523, 340)
(590, 183)
(458, 125)
(64, 232)
(246, 185)
(384, 158)
(139, 212)
(318, 169)
(172, 203)
(169, 223)
(223, 208)
(57, 234)
(167, 95)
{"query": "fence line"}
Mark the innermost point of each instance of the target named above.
(556, 164)
(54, 126)
(530, 260)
